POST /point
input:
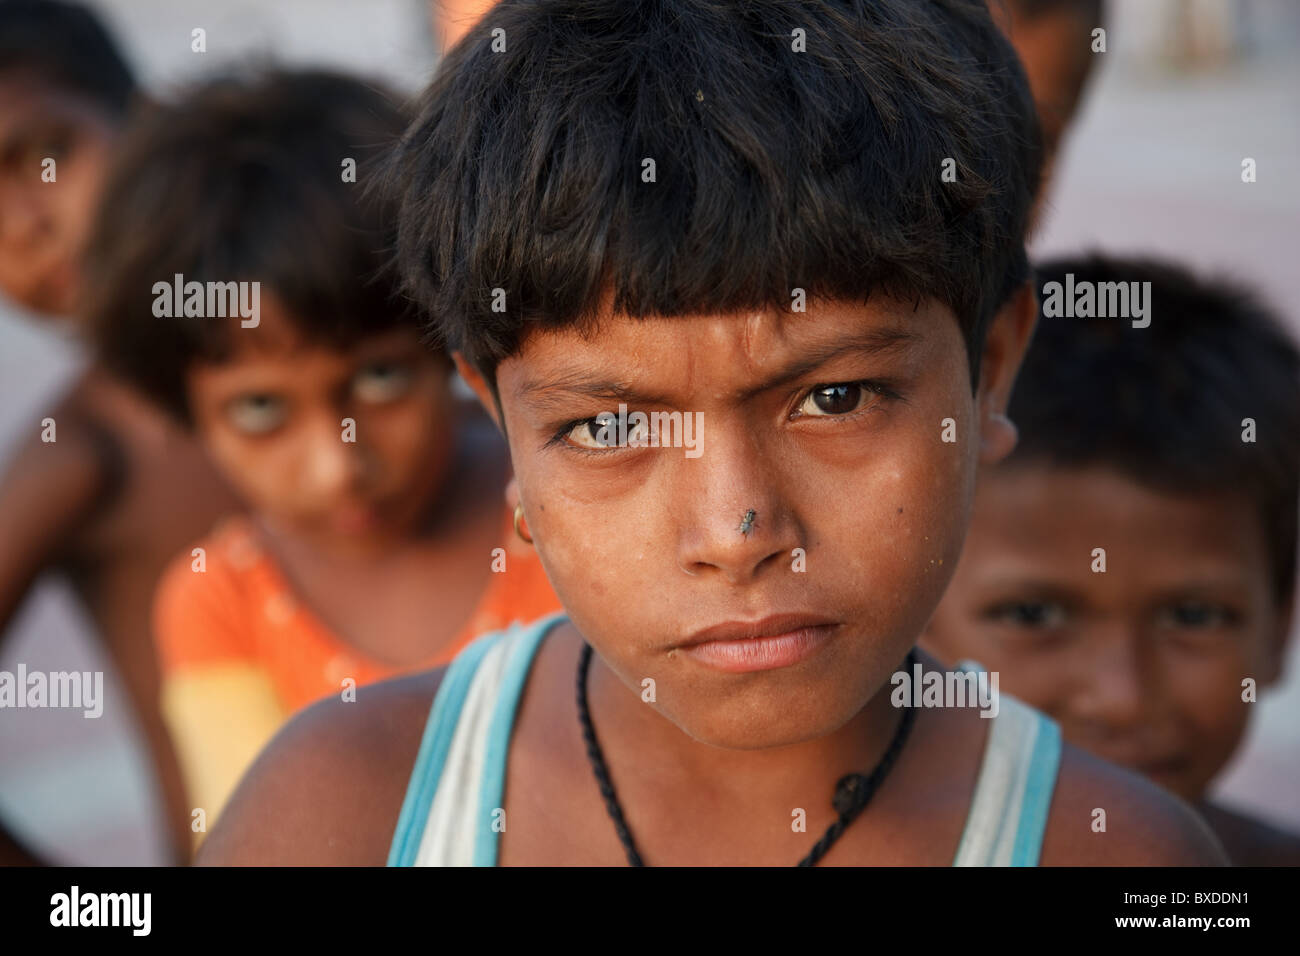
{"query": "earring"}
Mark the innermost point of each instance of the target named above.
(520, 526)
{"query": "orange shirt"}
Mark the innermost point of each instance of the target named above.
(241, 608)
(240, 654)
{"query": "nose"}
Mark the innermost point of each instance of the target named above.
(1112, 688)
(331, 465)
(733, 519)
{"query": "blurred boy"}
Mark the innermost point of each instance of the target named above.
(119, 490)
(734, 618)
(452, 19)
(376, 499)
(1175, 448)
(1053, 39)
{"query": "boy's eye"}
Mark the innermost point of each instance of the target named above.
(1037, 615)
(382, 382)
(838, 399)
(606, 431)
(257, 414)
(1197, 615)
(55, 145)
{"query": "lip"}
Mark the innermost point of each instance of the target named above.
(770, 643)
(355, 519)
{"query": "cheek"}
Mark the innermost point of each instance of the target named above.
(80, 179)
(410, 437)
(596, 554)
(900, 519)
(257, 471)
(956, 630)
(1208, 689)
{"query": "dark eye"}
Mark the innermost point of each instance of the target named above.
(55, 144)
(257, 414)
(839, 399)
(382, 382)
(1196, 615)
(1030, 614)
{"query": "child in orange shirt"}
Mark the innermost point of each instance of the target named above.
(238, 276)
(104, 488)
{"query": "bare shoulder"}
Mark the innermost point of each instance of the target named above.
(1144, 825)
(328, 789)
(1250, 841)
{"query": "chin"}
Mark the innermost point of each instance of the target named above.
(760, 721)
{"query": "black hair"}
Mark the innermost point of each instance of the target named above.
(1165, 404)
(776, 169)
(242, 179)
(66, 46)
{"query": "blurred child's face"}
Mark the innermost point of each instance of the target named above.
(1142, 664)
(272, 417)
(44, 225)
(452, 19)
(1055, 49)
(828, 427)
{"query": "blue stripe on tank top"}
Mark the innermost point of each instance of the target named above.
(495, 756)
(1040, 783)
(434, 744)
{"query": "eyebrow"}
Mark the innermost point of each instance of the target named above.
(1203, 587)
(1000, 587)
(866, 344)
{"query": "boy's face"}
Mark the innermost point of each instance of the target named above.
(272, 419)
(44, 225)
(1055, 50)
(1142, 663)
(828, 426)
(452, 19)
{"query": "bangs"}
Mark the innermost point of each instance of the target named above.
(682, 157)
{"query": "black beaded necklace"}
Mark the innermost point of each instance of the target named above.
(852, 793)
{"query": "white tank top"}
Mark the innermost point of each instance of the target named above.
(458, 783)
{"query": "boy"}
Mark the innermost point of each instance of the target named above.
(1175, 448)
(647, 230)
(451, 19)
(110, 491)
(1053, 39)
(376, 501)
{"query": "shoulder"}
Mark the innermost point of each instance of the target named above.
(1249, 841)
(70, 461)
(329, 788)
(1104, 815)
(56, 486)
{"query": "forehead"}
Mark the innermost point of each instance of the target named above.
(1042, 521)
(29, 106)
(278, 344)
(725, 352)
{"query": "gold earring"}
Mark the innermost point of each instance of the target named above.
(519, 524)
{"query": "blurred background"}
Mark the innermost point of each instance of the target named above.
(1185, 91)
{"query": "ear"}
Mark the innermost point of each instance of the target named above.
(479, 386)
(1004, 349)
